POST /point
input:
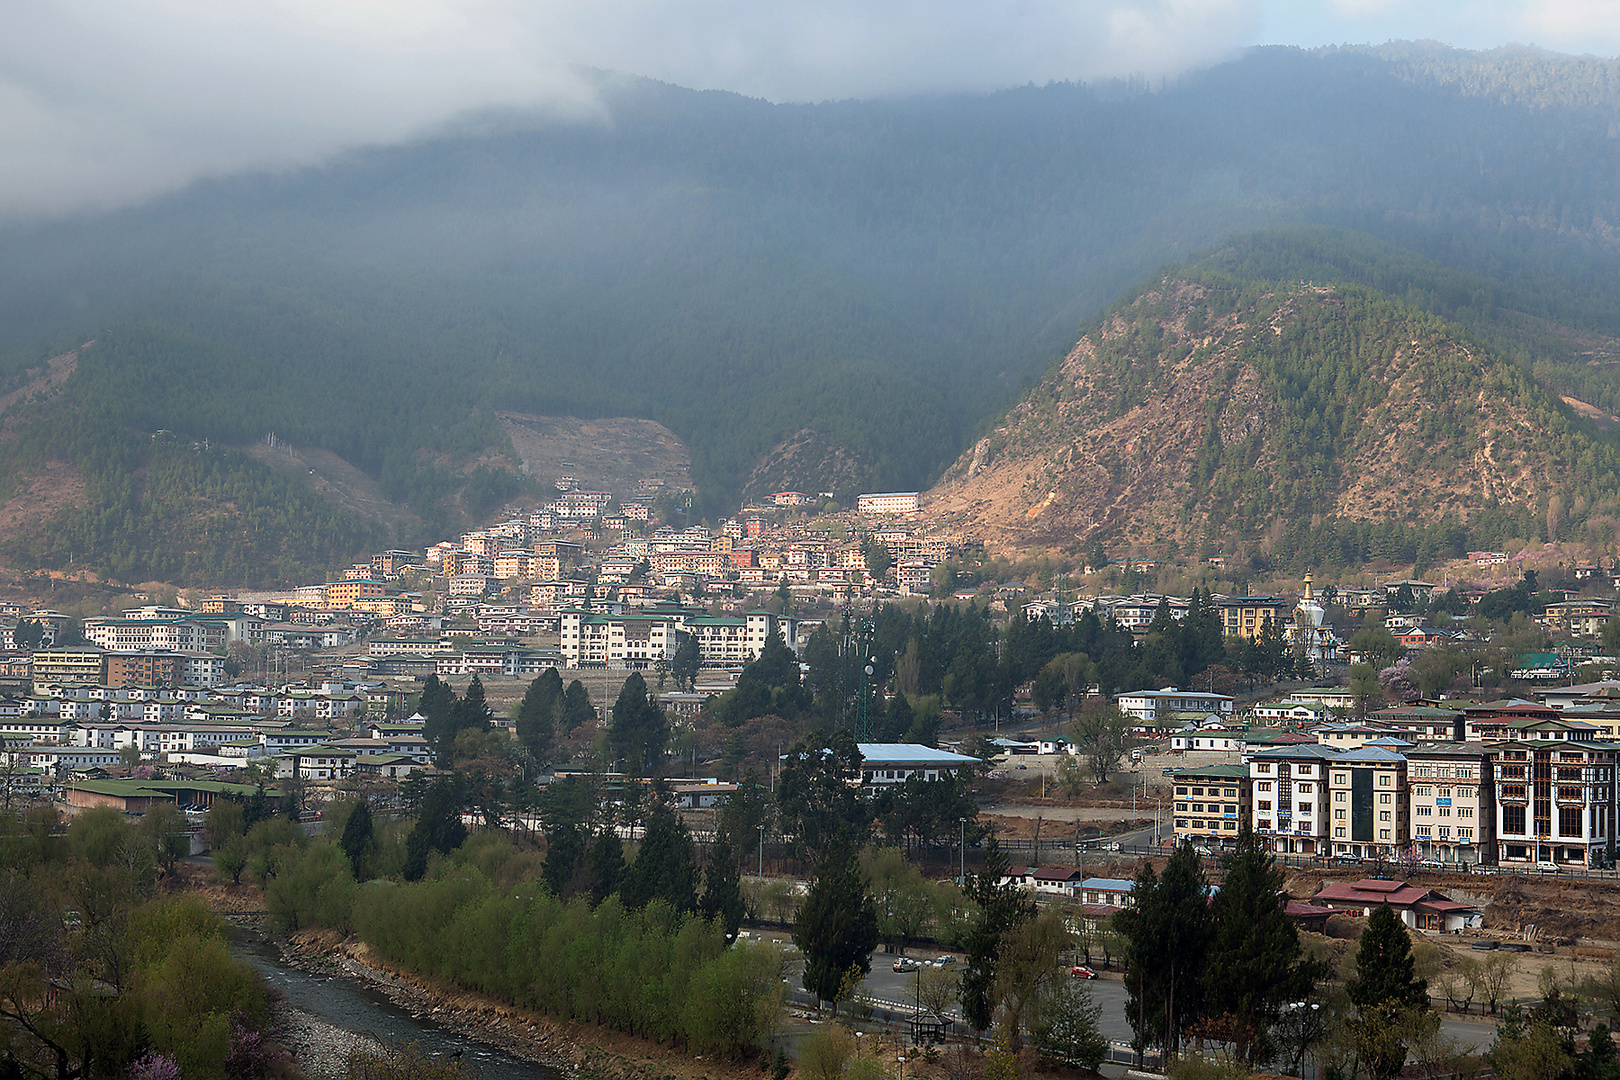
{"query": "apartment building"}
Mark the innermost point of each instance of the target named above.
(1452, 802)
(1151, 706)
(1248, 616)
(1555, 802)
(1290, 796)
(1211, 802)
(651, 635)
(889, 502)
(80, 664)
(1369, 800)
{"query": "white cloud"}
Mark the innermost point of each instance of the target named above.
(1575, 25)
(103, 102)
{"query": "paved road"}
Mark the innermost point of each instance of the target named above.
(886, 984)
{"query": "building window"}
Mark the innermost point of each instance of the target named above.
(1513, 820)
(1569, 821)
(1383, 834)
(1423, 830)
(1265, 807)
(1384, 798)
(1383, 815)
(1340, 796)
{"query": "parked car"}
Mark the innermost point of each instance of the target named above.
(1081, 971)
(945, 961)
(1548, 867)
(905, 966)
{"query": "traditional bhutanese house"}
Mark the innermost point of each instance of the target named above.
(1059, 881)
(1493, 721)
(1419, 908)
(1424, 722)
(1603, 716)
(1309, 916)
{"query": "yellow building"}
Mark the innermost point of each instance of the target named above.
(345, 593)
(1246, 616)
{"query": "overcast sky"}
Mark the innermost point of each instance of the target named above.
(106, 102)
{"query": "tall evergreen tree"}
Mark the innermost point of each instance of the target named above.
(684, 666)
(1002, 908)
(1254, 965)
(438, 708)
(437, 828)
(577, 708)
(816, 795)
(358, 840)
(1166, 932)
(1384, 972)
(472, 712)
(1385, 991)
(565, 851)
(665, 867)
(538, 716)
(606, 865)
(837, 926)
(722, 888)
(640, 730)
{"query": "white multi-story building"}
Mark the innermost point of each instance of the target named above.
(1149, 706)
(1290, 796)
(1555, 802)
(889, 502)
(653, 634)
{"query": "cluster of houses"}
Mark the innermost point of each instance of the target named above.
(1097, 899)
(1526, 782)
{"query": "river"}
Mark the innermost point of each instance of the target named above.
(334, 1013)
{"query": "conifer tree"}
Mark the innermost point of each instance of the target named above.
(606, 865)
(538, 715)
(640, 730)
(837, 926)
(1002, 907)
(577, 707)
(1385, 991)
(357, 839)
(1254, 965)
(437, 706)
(722, 888)
(1166, 932)
(665, 867)
(1384, 972)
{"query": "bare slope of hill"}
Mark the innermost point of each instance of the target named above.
(611, 454)
(1208, 413)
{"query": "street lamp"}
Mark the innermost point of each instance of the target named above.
(762, 851)
(961, 853)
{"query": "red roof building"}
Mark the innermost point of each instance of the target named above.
(1419, 908)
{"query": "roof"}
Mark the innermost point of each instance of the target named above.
(1373, 891)
(1214, 770)
(910, 754)
(1104, 884)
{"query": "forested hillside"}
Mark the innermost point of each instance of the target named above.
(1313, 423)
(842, 293)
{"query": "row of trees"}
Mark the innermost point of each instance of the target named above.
(1229, 969)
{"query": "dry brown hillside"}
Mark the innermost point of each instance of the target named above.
(1196, 411)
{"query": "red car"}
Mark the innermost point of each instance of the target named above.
(1082, 972)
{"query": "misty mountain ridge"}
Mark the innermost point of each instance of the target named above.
(842, 294)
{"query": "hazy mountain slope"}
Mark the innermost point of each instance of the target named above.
(880, 275)
(829, 296)
(1316, 421)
